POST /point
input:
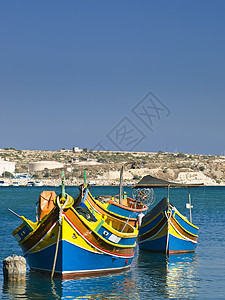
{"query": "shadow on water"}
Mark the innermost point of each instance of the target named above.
(163, 276)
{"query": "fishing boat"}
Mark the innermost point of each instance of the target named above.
(69, 240)
(127, 209)
(3, 183)
(164, 228)
(38, 183)
(119, 206)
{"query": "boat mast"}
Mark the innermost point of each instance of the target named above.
(121, 177)
(190, 206)
(85, 177)
(168, 193)
(121, 185)
(63, 185)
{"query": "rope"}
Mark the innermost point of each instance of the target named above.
(125, 224)
(168, 219)
(61, 208)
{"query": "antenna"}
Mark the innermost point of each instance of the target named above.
(188, 205)
(63, 185)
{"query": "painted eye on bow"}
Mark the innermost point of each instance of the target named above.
(105, 233)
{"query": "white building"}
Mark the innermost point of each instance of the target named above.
(77, 149)
(41, 165)
(7, 166)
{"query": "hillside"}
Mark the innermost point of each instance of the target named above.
(103, 167)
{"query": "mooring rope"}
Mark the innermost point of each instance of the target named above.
(168, 220)
(61, 208)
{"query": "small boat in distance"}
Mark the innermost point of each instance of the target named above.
(38, 183)
(164, 228)
(3, 183)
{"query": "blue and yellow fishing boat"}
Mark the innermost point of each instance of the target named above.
(119, 206)
(69, 240)
(164, 228)
(127, 209)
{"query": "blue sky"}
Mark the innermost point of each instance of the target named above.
(119, 75)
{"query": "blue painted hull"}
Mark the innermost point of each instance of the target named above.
(175, 245)
(73, 242)
(164, 229)
(123, 211)
(75, 261)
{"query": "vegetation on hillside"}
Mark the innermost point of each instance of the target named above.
(169, 164)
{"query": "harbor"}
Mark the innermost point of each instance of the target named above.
(176, 276)
(112, 161)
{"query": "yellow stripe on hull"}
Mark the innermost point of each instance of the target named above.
(68, 233)
(168, 228)
(145, 224)
(115, 226)
(175, 232)
(161, 232)
(71, 235)
(113, 231)
(103, 206)
(48, 240)
(185, 219)
(174, 217)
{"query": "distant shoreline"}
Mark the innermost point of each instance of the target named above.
(103, 167)
(57, 183)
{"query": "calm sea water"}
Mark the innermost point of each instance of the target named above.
(200, 275)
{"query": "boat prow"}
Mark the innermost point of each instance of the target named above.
(164, 229)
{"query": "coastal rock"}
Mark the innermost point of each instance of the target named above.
(14, 267)
(194, 178)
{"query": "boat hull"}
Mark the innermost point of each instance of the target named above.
(164, 229)
(85, 248)
(75, 261)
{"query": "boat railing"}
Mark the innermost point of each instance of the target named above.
(119, 226)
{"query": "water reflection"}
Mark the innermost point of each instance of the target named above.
(14, 289)
(39, 286)
(152, 276)
(182, 275)
(36, 286)
(117, 286)
(163, 276)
